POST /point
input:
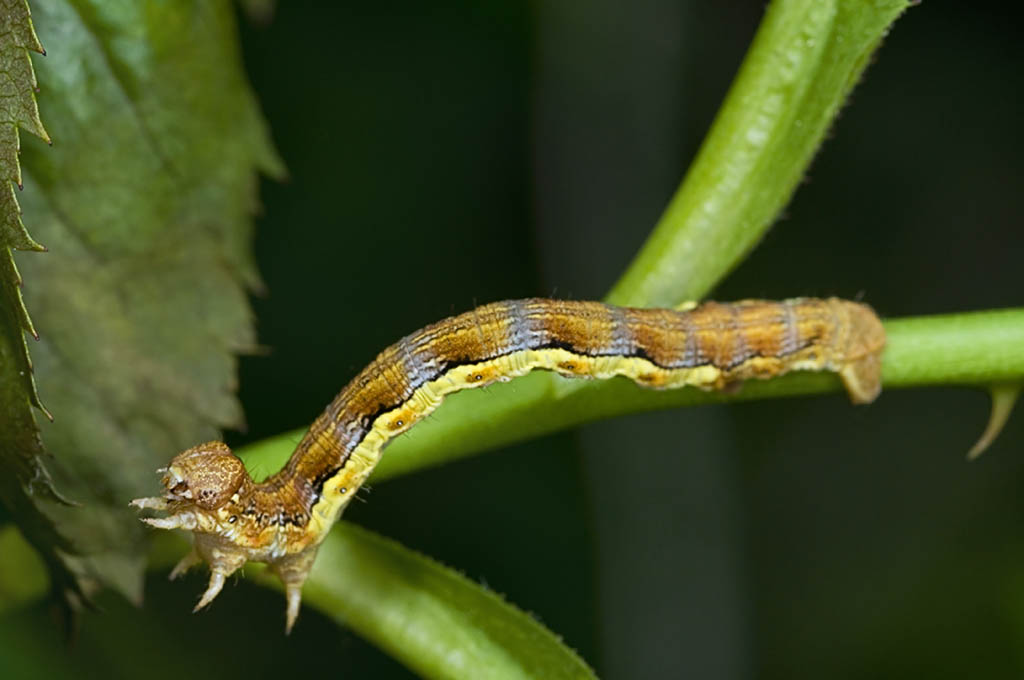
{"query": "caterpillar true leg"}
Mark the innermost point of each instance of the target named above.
(152, 503)
(172, 522)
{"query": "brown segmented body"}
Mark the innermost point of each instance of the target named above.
(283, 519)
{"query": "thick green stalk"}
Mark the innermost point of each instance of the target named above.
(431, 618)
(806, 57)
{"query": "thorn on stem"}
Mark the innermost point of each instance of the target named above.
(1004, 396)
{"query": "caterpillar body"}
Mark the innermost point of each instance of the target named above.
(283, 519)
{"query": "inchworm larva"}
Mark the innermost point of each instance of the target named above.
(283, 519)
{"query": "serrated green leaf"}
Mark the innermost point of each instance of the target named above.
(24, 476)
(145, 201)
(18, 111)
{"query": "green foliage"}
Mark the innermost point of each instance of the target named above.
(144, 201)
(24, 475)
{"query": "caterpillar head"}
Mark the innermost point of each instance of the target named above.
(207, 475)
(200, 485)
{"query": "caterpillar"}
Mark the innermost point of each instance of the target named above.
(282, 520)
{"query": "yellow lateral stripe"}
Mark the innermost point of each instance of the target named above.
(429, 396)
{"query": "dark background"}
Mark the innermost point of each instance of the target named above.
(446, 155)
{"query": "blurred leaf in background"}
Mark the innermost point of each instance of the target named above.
(145, 202)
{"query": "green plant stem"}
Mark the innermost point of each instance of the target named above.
(972, 349)
(427, 616)
(806, 57)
